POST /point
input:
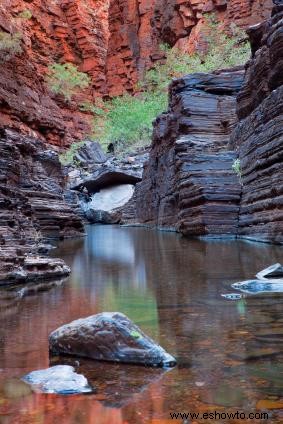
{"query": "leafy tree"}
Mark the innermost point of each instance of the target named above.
(65, 79)
(10, 45)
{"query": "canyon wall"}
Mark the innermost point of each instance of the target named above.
(32, 209)
(188, 183)
(114, 41)
(57, 31)
(214, 119)
(138, 28)
(259, 135)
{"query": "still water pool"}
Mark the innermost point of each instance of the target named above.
(230, 353)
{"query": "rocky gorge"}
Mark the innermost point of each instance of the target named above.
(188, 184)
(213, 119)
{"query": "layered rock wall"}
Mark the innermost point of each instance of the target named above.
(57, 31)
(138, 28)
(259, 136)
(188, 183)
(32, 209)
(114, 41)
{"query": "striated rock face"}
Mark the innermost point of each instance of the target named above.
(32, 209)
(58, 31)
(258, 136)
(188, 183)
(137, 28)
(114, 41)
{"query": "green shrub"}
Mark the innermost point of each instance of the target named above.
(10, 45)
(25, 14)
(237, 167)
(65, 79)
(222, 51)
(126, 120)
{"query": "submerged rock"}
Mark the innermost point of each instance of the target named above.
(259, 286)
(232, 296)
(109, 336)
(272, 272)
(59, 379)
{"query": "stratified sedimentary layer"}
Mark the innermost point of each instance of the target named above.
(188, 183)
(54, 32)
(32, 209)
(259, 136)
(137, 29)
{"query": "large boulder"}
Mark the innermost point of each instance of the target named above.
(89, 154)
(109, 336)
(103, 206)
(60, 379)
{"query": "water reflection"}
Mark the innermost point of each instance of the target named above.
(230, 353)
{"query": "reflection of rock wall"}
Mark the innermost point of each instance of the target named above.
(259, 134)
(188, 183)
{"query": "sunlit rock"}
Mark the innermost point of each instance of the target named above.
(59, 379)
(272, 272)
(109, 336)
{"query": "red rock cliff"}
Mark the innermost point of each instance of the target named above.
(58, 31)
(113, 43)
(138, 27)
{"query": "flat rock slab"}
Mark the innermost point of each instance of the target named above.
(106, 178)
(109, 336)
(60, 379)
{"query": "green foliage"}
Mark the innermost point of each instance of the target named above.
(222, 51)
(10, 45)
(65, 79)
(127, 120)
(67, 157)
(237, 167)
(25, 14)
(89, 107)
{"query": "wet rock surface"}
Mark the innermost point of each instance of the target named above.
(32, 210)
(188, 182)
(108, 337)
(60, 379)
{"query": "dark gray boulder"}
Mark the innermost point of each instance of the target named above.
(109, 336)
(90, 154)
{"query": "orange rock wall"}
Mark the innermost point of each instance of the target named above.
(138, 27)
(114, 41)
(58, 31)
